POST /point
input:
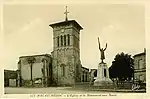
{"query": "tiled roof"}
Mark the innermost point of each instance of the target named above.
(139, 54)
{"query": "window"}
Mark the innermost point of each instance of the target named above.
(95, 73)
(104, 72)
(83, 77)
(61, 40)
(136, 64)
(58, 41)
(141, 77)
(62, 69)
(63, 73)
(86, 75)
(140, 64)
(65, 40)
(68, 39)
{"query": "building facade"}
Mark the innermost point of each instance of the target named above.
(35, 70)
(10, 78)
(85, 75)
(140, 67)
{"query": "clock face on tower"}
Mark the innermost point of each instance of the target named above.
(62, 30)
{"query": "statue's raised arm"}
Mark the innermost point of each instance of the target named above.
(99, 44)
(105, 47)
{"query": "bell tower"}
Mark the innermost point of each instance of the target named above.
(66, 51)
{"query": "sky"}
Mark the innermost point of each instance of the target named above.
(27, 31)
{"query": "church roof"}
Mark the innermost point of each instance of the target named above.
(66, 22)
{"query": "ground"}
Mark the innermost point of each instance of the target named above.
(49, 90)
(57, 90)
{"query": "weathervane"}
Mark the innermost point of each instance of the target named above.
(66, 13)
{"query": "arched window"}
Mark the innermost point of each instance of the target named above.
(68, 39)
(58, 41)
(63, 72)
(65, 40)
(62, 69)
(61, 40)
(104, 72)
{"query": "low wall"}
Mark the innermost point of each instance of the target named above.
(119, 85)
(123, 85)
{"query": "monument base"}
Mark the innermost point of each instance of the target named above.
(105, 82)
(103, 76)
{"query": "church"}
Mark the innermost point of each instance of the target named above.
(62, 67)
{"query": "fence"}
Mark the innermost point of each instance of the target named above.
(123, 84)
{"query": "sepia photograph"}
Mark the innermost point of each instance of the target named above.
(74, 48)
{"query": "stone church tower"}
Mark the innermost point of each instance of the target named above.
(66, 52)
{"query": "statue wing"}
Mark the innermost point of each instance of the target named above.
(105, 47)
(99, 44)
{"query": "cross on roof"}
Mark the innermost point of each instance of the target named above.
(66, 13)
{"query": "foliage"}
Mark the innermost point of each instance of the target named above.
(122, 67)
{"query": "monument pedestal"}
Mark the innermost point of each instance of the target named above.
(103, 76)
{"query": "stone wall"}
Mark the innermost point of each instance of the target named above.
(69, 62)
(41, 69)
